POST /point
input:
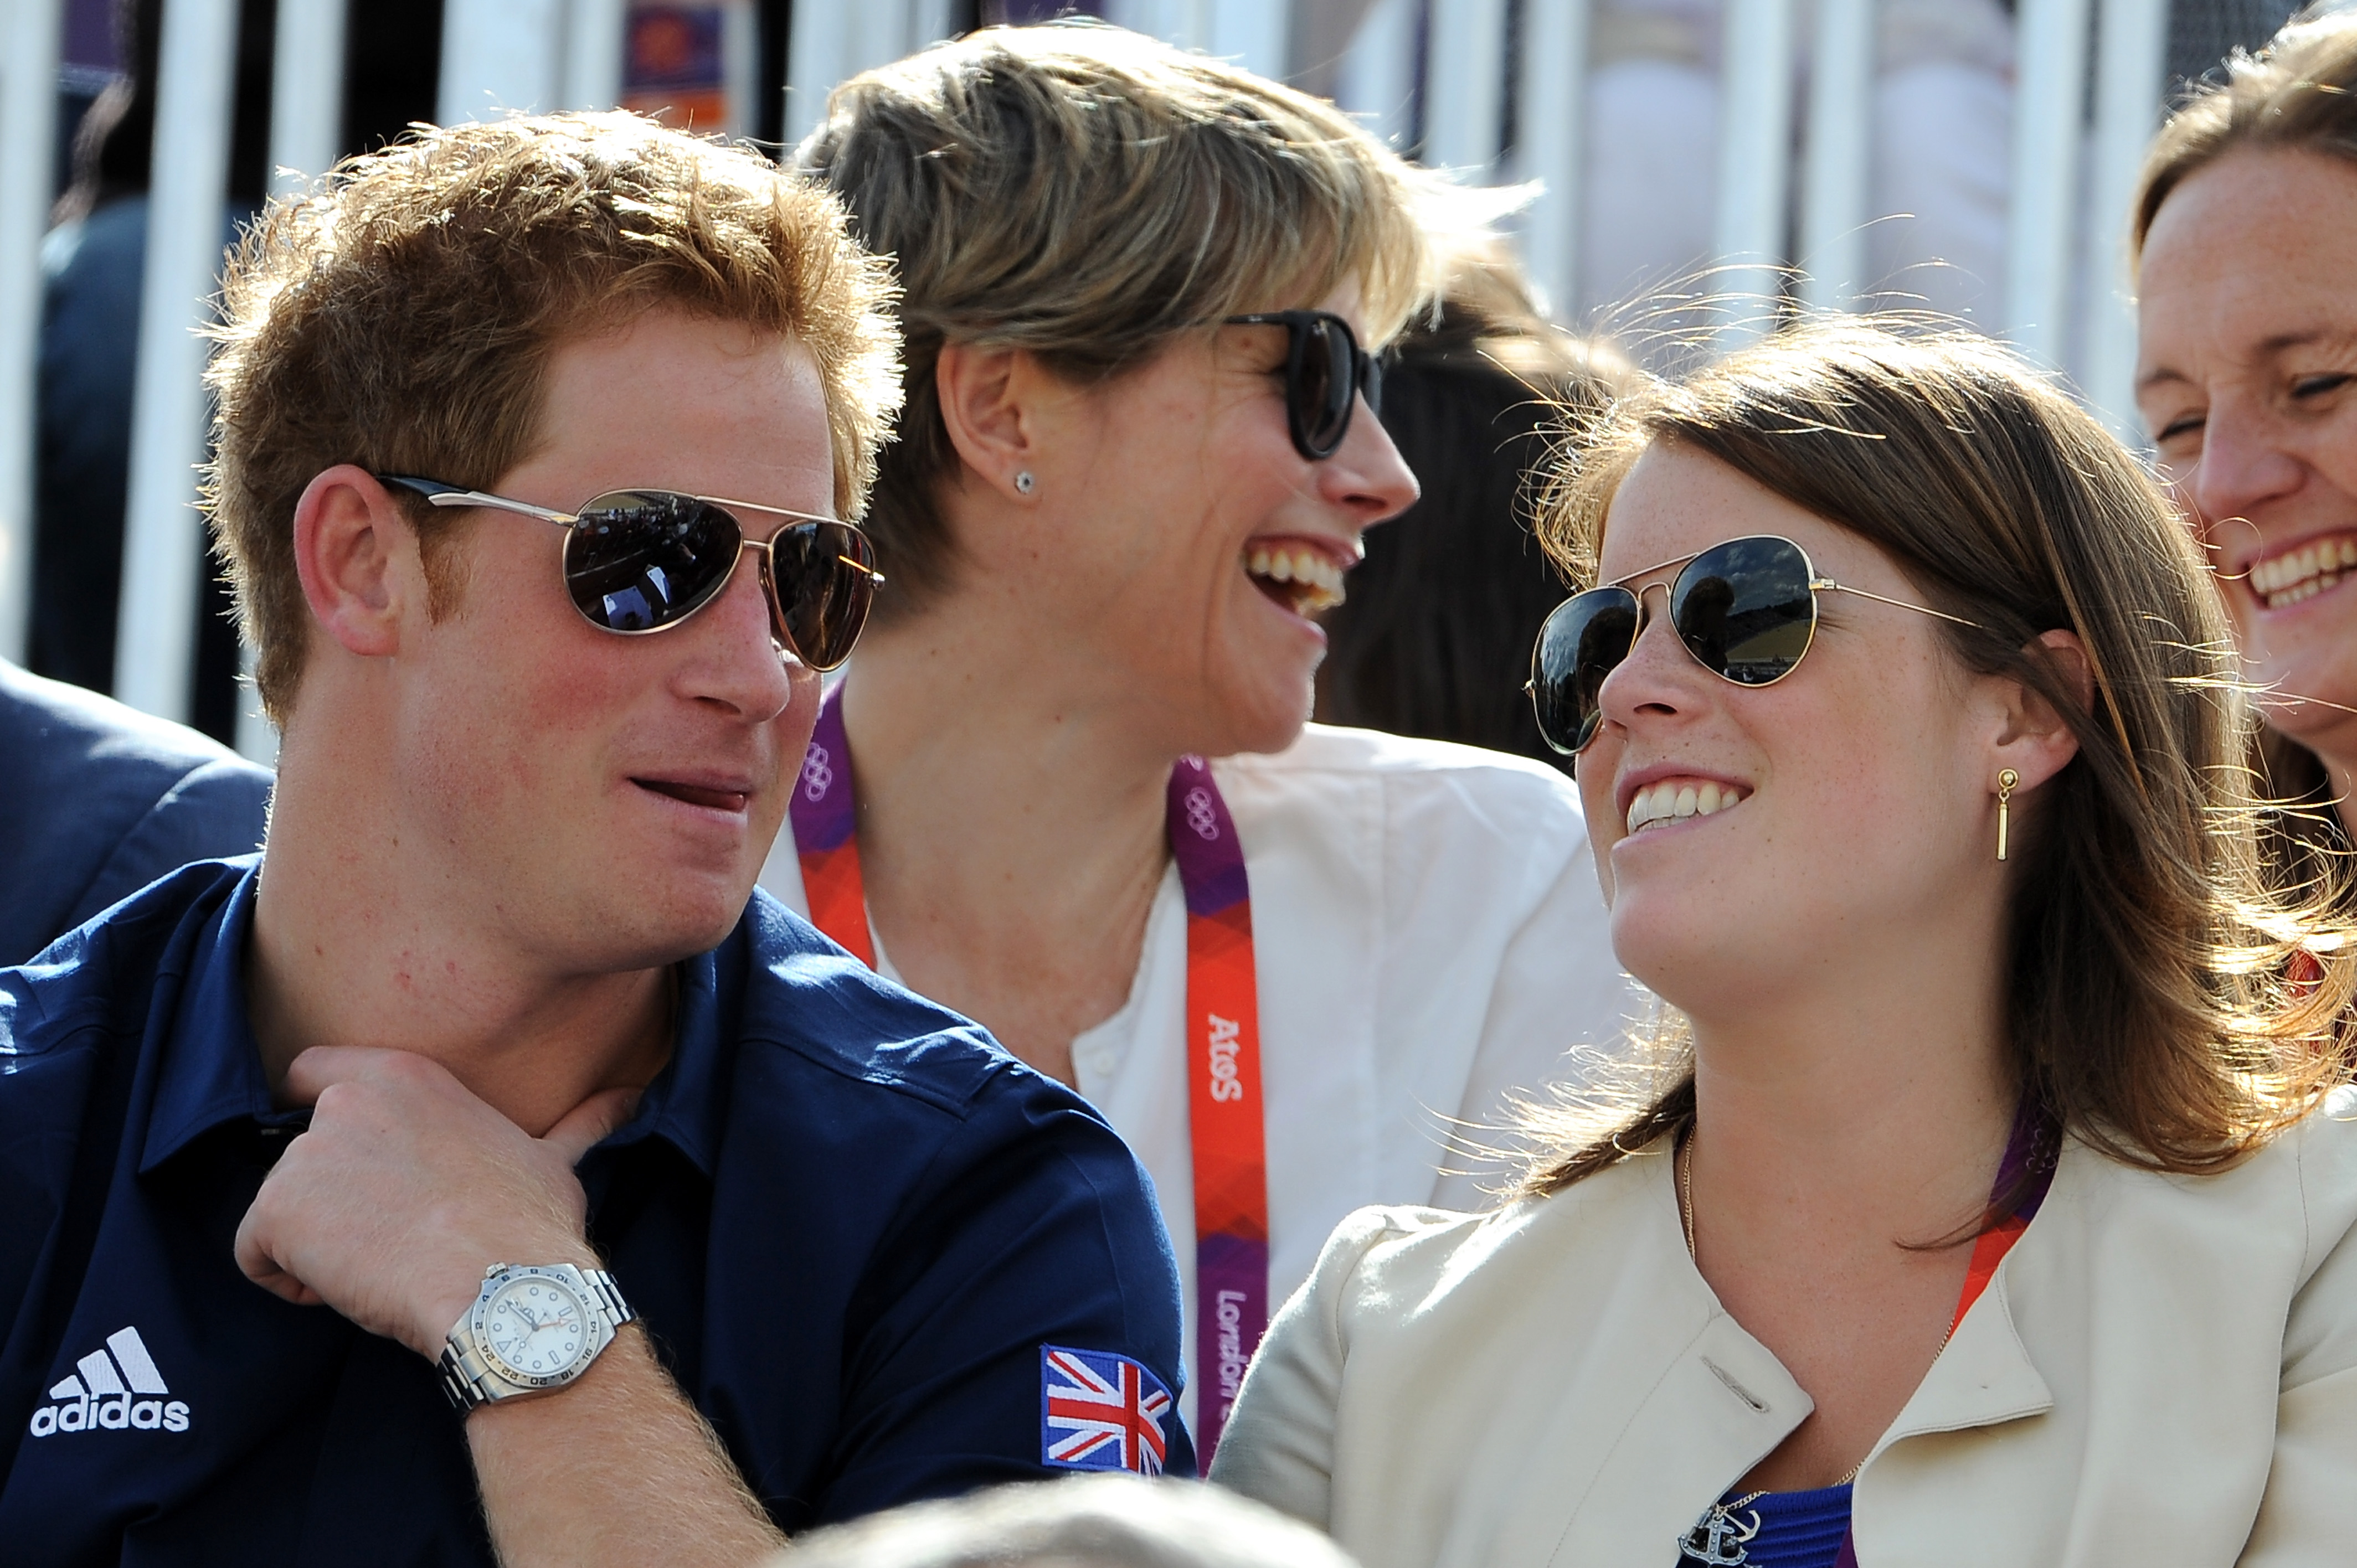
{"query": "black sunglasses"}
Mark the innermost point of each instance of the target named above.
(1746, 610)
(1326, 372)
(643, 560)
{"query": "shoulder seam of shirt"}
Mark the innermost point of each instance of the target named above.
(961, 1105)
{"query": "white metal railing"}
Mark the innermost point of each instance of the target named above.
(163, 539)
(1443, 66)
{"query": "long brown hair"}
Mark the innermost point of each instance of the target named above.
(2147, 1010)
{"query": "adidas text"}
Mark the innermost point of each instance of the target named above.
(113, 1390)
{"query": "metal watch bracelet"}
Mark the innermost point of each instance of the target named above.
(471, 1379)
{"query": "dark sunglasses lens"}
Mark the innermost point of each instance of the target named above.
(824, 581)
(1324, 385)
(638, 560)
(1587, 637)
(1745, 609)
(1371, 383)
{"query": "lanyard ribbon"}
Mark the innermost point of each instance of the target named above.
(2023, 1174)
(1225, 1118)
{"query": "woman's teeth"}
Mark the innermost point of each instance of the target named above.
(1675, 799)
(1302, 578)
(2303, 572)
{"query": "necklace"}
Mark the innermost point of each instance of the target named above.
(1719, 1538)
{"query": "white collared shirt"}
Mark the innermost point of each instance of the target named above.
(1429, 940)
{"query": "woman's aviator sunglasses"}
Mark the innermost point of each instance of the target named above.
(1325, 374)
(1746, 610)
(643, 560)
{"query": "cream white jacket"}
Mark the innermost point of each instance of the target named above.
(2164, 1371)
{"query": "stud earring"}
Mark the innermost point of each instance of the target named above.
(2005, 779)
(1024, 483)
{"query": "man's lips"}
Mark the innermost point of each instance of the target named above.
(712, 797)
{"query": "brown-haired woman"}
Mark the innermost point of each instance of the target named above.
(1140, 293)
(2246, 235)
(1992, 1205)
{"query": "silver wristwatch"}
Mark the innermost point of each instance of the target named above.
(535, 1327)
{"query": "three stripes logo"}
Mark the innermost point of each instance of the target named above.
(110, 1389)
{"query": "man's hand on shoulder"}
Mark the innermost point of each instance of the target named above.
(407, 1186)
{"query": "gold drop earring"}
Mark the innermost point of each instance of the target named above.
(2005, 779)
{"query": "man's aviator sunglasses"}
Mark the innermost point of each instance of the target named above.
(1746, 610)
(643, 560)
(1326, 372)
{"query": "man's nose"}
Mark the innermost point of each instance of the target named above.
(737, 657)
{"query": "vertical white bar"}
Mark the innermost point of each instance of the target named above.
(1377, 79)
(930, 23)
(163, 541)
(1833, 180)
(818, 41)
(593, 54)
(740, 54)
(879, 35)
(1253, 33)
(498, 56)
(306, 91)
(2047, 102)
(28, 116)
(1554, 113)
(1178, 21)
(1755, 153)
(2130, 79)
(1465, 93)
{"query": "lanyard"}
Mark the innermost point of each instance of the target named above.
(2026, 1170)
(1223, 1098)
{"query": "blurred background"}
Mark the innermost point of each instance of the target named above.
(1696, 166)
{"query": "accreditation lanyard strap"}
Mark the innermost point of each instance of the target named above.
(1225, 1118)
(2023, 1174)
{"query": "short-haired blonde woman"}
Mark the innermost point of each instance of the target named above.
(1142, 291)
(1994, 1205)
(2246, 235)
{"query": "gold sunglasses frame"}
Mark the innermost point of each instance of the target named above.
(1815, 584)
(451, 496)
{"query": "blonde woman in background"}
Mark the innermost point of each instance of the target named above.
(1142, 295)
(1993, 1206)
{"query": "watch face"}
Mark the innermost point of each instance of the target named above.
(536, 1325)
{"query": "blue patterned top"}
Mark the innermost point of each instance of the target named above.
(1796, 1529)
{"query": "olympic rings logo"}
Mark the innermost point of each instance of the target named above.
(1200, 815)
(818, 777)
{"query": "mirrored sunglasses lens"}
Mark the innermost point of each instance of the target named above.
(1745, 609)
(824, 579)
(641, 559)
(1582, 642)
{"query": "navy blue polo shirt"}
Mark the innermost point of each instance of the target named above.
(867, 1242)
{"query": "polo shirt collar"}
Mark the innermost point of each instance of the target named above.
(211, 1069)
(687, 1104)
(211, 1074)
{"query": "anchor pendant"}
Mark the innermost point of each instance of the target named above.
(1716, 1539)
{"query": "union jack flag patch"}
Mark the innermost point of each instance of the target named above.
(1100, 1411)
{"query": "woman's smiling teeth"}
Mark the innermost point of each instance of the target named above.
(1675, 799)
(2303, 572)
(1296, 576)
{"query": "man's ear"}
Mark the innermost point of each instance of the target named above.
(986, 396)
(2036, 741)
(358, 558)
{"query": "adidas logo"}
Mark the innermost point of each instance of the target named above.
(109, 1393)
